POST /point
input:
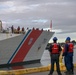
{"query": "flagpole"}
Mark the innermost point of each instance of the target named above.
(51, 25)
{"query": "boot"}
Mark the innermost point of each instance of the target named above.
(49, 74)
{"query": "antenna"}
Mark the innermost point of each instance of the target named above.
(51, 25)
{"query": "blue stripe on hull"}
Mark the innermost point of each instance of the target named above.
(19, 46)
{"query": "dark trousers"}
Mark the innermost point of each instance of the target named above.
(72, 66)
(55, 59)
(69, 62)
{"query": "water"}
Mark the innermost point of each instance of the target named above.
(45, 60)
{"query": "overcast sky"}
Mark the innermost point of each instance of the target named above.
(39, 13)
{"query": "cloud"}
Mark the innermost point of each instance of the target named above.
(39, 13)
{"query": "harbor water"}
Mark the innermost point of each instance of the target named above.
(45, 60)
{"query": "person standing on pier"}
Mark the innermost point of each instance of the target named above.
(55, 50)
(68, 56)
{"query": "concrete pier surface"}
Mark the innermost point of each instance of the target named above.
(47, 72)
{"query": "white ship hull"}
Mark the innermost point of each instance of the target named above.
(23, 48)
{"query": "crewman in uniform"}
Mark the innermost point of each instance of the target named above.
(55, 50)
(68, 56)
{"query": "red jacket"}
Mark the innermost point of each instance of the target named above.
(55, 48)
(71, 46)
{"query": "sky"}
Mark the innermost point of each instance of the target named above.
(39, 13)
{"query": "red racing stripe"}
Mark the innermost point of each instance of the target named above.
(28, 43)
